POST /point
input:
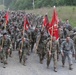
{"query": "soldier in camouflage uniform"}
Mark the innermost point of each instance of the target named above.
(74, 38)
(67, 50)
(5, 43)
(23, 50)
(42, 47)
(52, 49)
(33, 36)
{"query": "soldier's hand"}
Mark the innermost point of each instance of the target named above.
(62, 54)
(21, 51)
(49, 53)
(73, 55)
(0, 48)
(8, 50)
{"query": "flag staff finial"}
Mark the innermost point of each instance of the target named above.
(54, 6)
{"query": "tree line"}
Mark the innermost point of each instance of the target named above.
(28, 4)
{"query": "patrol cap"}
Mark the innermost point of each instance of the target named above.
(74, 33)
(4, 33)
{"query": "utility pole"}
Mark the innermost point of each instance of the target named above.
(33, 4)
(3, 2)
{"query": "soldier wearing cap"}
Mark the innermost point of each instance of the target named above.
(42, 47)
(67, 49)
(74, 38)
(23, 50)
(52, 49)
(5, 44)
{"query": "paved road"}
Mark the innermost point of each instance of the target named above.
(33, 67)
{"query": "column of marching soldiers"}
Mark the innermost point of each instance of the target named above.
(37, 39)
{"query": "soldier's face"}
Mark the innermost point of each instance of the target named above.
(54, 39)
(23, 39)
(4, 36)
(67, 39)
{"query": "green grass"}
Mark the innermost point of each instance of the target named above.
(2, 7)
(64, 12)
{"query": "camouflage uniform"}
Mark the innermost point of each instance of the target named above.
(74, 38)
(42, 48)
(5, 44)
(33, 36)
(52, 47)
(23, 51)
(67, 49)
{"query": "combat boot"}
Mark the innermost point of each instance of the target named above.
(41, 62)
(1, 60)
(62, 64)
(47, 66)
(4, 66)
(55, 70)
(24, 63)
(6, 62)
(70, 67)
(20, 60)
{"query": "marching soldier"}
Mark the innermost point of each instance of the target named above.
(23, 50)
(67, 49)
(74, 38)
(52, 49)
(42, 47)
(5, 43)
(34, 36)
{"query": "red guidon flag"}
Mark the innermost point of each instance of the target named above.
(53, 26)
(7, 17)
(46, 21)
(26, 23)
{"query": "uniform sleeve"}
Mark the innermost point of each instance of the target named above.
(47, 46)
(0, 42)
(62, 45)
(58, 50)
(73, 50)
(10, 45)
(20, 45)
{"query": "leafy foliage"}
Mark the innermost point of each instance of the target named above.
(28, 4)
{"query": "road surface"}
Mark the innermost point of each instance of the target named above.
(33, 67)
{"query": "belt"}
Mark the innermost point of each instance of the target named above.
(66, 50)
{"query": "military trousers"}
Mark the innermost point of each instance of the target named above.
(67, 54)
(49, 58)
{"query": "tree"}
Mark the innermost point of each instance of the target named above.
(28, 4)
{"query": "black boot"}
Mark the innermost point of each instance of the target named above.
(4, 66)
(20, 60)
(62, 64)
(55, 70)
(70, 67)
(24, 63)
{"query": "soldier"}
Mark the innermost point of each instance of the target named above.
(52, 49)
(5, 46)
(74, 38)
(33, 36)
(42, 47)
(67, 25)
(67, 49)
(23, 50)
(65, 32)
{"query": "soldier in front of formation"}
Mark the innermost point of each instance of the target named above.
(23, 50)
(52, 51)
(5, 44)
(67, 50)
(42, 47)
